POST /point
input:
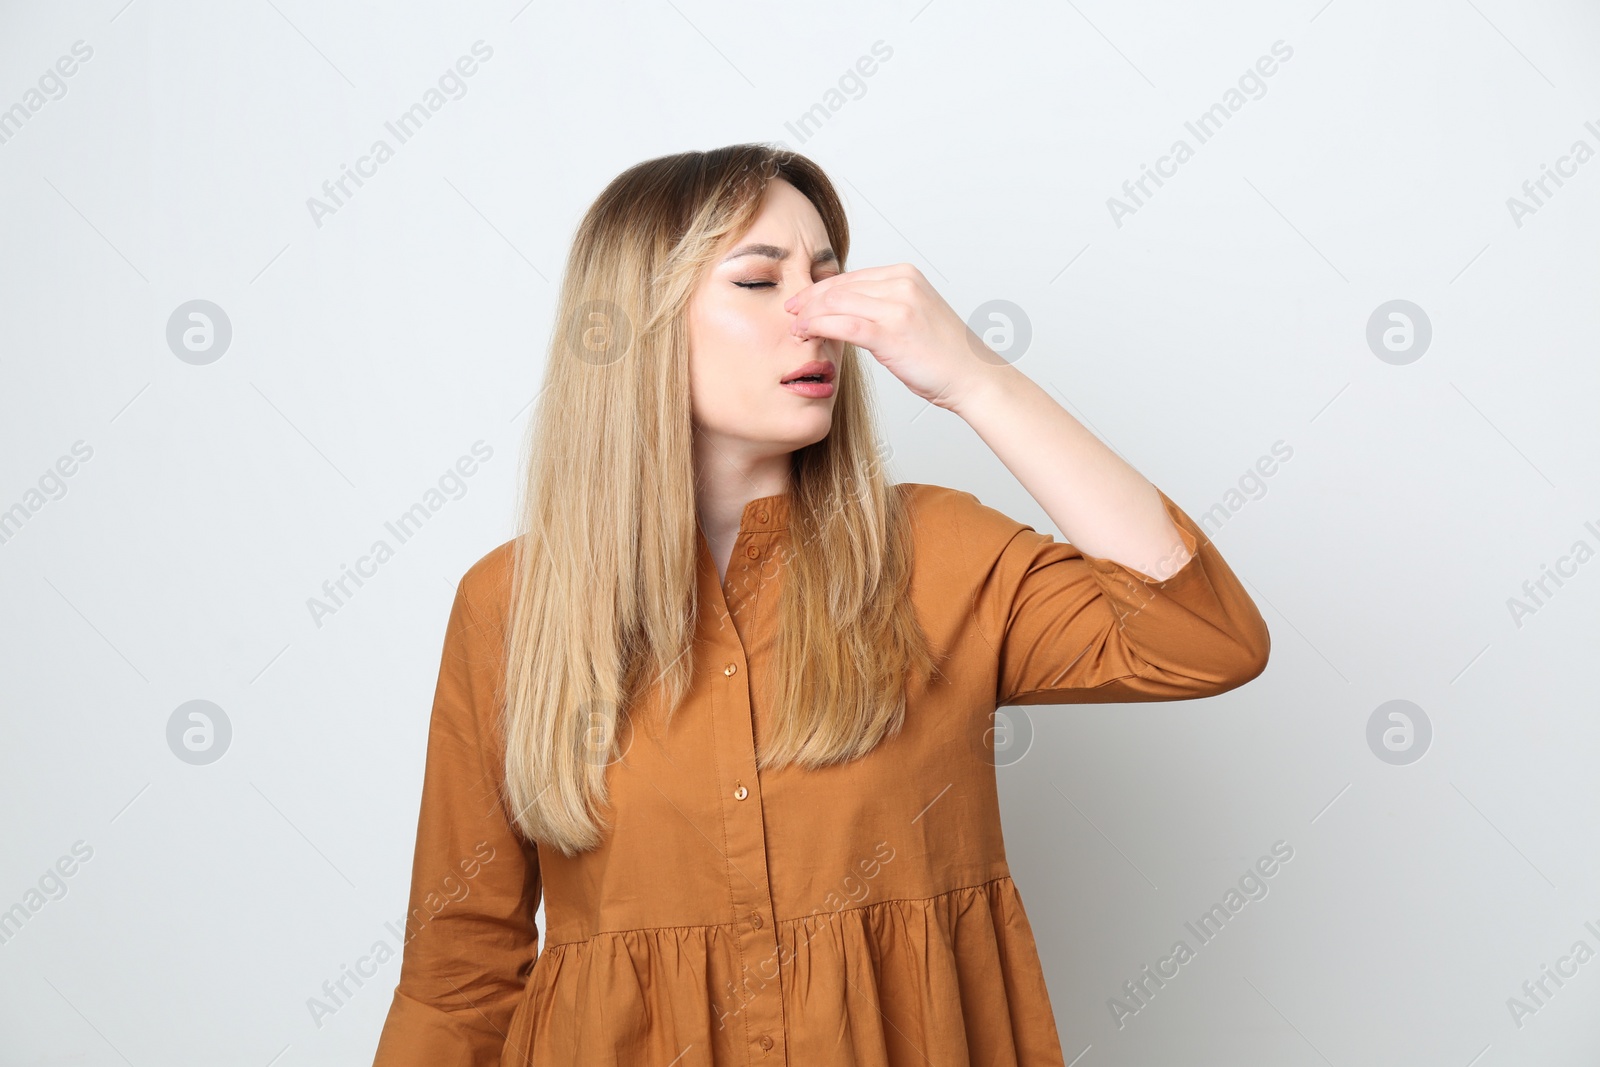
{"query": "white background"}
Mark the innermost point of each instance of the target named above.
(1226, 315)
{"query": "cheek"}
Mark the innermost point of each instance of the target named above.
(731, 328)
(736, 349)
(735, 356)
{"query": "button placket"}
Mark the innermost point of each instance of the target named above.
(750, 1005)
(754, 1002)
(744, 587)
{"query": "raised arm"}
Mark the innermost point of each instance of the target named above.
(1100, 504)
(1138, 605)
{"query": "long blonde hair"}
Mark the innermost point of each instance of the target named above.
(604, 594)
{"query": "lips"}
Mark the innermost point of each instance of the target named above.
(818, 369)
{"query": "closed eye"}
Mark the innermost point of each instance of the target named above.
(768, 285)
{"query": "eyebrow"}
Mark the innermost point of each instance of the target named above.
(780, 254)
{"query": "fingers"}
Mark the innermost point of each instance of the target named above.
(848, 328)
(851, 303)
(809, 303)
(851, 278)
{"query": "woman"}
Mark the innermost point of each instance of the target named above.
(726, 705)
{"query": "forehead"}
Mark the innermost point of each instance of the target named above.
(785, 211)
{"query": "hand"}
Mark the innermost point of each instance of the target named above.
(894, 313)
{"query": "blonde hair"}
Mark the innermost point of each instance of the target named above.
(603, 607)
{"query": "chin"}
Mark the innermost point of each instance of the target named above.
(809, 430)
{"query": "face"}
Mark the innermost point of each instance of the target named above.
(740, 347)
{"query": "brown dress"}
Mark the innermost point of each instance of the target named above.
(857, 916)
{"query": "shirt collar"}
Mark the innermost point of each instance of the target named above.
(765, 513)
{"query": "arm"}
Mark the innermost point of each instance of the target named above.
(470, 934)
(1098, 501)
(1139, 605)
(1100, 504)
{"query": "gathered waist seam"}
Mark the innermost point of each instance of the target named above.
(801, 918)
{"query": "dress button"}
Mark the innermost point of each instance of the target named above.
(755, 920)
(761, 516)
(753, 552)
(729, 669)
(740, 793)
(766, 1042)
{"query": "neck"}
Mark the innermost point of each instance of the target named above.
(725, 483)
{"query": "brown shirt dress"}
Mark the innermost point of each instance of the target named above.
(857, 916)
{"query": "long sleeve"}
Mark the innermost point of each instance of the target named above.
(1074, 628)
(471, 937)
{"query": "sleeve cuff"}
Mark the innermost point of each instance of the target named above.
(416, 1034)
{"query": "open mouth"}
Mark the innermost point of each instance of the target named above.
(817, 371)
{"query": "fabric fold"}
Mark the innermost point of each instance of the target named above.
(892, 983)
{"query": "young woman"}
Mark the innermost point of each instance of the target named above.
(726, 705)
